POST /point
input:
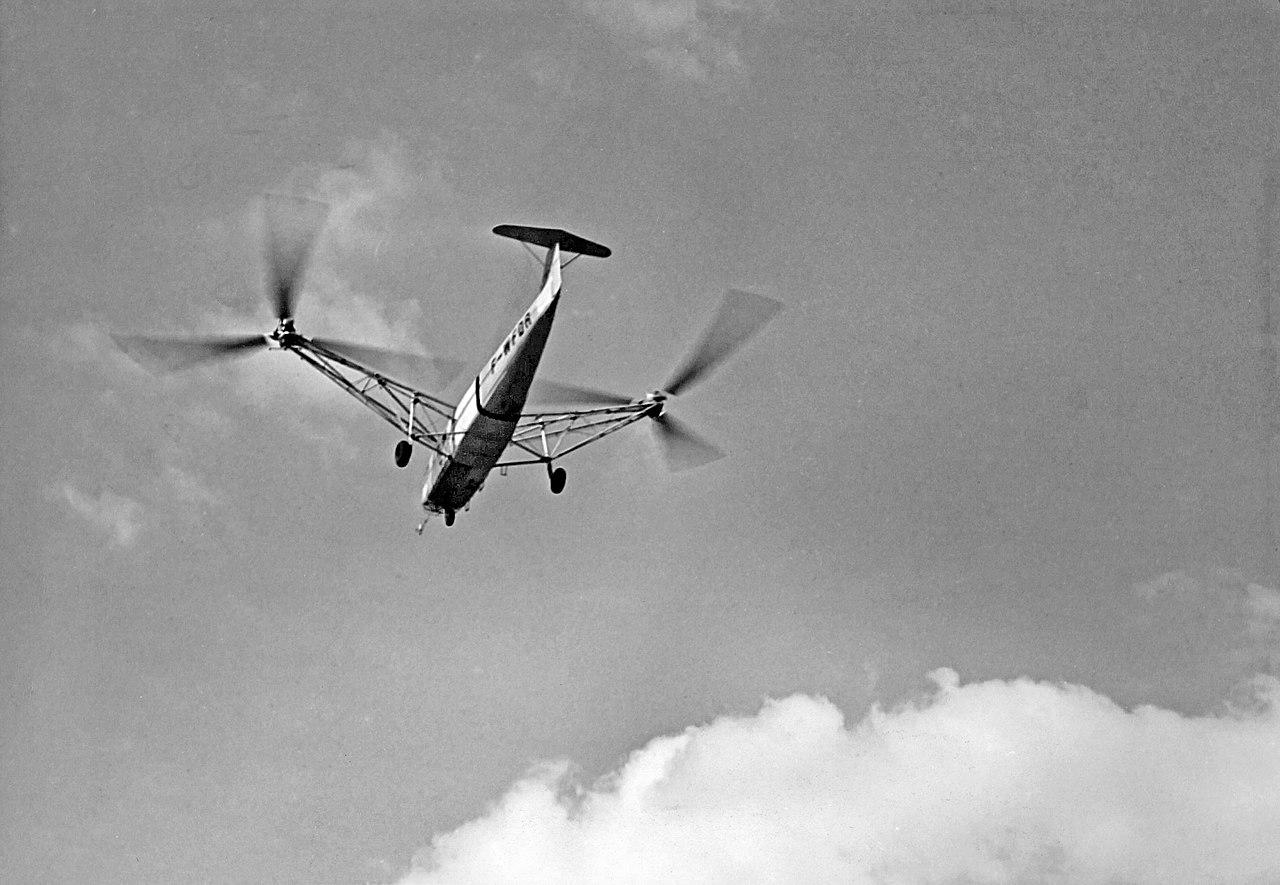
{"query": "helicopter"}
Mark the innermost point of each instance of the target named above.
(491, 425)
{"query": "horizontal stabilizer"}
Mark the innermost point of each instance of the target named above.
(546, 237)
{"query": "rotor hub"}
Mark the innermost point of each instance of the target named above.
(659, 407)
(283, 332)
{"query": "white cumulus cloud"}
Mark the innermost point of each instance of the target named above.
(984, 782)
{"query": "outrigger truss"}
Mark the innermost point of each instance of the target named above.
(540, 438)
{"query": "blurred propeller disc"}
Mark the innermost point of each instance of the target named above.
(439, 369)
(681, 447)
(576, 395)
(740, 316)
(172, 354)
(292, 223)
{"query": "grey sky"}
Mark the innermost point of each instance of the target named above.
(1014, 420)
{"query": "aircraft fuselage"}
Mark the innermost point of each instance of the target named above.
(485, 418)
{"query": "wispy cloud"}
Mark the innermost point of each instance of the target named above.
(116, 515)
(378, 197)
(1233, 622)
(694, 40)
(994, 781)
(174, 496)
(184, 487)
(1263, 605)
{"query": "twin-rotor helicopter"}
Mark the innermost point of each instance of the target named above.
(491, 425)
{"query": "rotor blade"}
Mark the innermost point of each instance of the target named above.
(440, 369)
(740, 316)
(292, 225)
(172, 354)
(682, 448)
(576, 395)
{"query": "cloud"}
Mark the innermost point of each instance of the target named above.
(174, 496)
(1230, 625)
(1175, 583)
(379, 197)
(118, 516)
(552, 72)
(984, 782)
(685, 39)
(1263, 605)
(188, 489)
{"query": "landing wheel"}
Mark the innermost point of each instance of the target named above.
(448, 517)
(404, 451)
(558, 479)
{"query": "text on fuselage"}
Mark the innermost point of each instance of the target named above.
(525, 324)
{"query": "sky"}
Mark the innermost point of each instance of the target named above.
(986, 589)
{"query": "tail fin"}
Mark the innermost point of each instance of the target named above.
(546, 237)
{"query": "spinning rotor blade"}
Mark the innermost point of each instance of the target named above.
(682, 448)
(575, 395)
(172, 354)
(440, 369)
(292, 225)
(740, 316)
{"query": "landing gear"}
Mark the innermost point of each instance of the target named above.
(558, 479)
(448, 517)
(404, 451)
